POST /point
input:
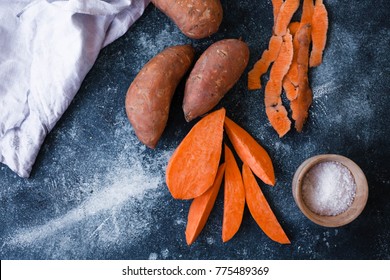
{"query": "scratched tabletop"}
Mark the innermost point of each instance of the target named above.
(95, 192)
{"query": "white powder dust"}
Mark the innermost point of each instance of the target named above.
(118, 211)
(166, 37)
(127, 184)
(328, 188)
(153, 256)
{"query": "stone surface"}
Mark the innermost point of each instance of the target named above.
(97, 193)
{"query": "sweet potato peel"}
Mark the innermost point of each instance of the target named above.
(260, 209)
(294, 82)
(276, 112)
(262, 65)
(306, 17)
(300, 105)
(307, 12)
(319, 29)
(293, 27)
(276, 4)
(286, 12)
(198, 154)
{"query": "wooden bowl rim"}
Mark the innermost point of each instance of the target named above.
(358, 203)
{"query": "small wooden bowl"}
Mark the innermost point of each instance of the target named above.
(358, 203)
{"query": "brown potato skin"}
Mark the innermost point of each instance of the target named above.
(197, 19)
(214, 74)
(149, 96)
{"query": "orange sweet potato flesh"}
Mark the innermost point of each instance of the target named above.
(260, 209)
(276, 112)
(300, 105)
(307, 12)
(276, 4)
(216, 71)
(149, 96)
(262, 65)
(286, 12)
(197, 19)
(319, 29)
(234, 197)
(250, 152)
(306, 18)
(289, 88)
(293, 27)
(201, 207)
(192, 168)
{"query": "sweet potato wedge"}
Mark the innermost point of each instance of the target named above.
(260, 209)
(250, 152)
(234, 197)
(201, 207)
(193, 166)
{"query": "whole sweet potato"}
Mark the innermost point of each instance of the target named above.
(214, 74)
(149, 96)
(197, 19)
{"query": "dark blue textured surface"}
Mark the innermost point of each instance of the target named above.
(97, 193)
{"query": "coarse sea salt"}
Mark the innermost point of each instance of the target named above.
(328, 188)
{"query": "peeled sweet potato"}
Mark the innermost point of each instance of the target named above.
(149, 96)
(214, 74)
(197, 19)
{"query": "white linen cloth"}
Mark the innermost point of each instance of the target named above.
(46, 49)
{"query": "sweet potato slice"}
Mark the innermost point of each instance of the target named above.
(201, 207)
(234, 197)
(250, 152)
(193, 166)
(260, 209)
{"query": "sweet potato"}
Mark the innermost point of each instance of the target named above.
(250, 152)
(260, 209)
(149, 96)
(234, 197)
(197, 19)
(214, 74)
(201, 207)
(193, 166)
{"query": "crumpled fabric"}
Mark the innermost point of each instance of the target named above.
(47, 48)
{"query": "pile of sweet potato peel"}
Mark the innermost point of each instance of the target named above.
(195, 172)
(289, 51)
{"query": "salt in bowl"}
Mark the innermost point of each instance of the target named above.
(320, 216)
